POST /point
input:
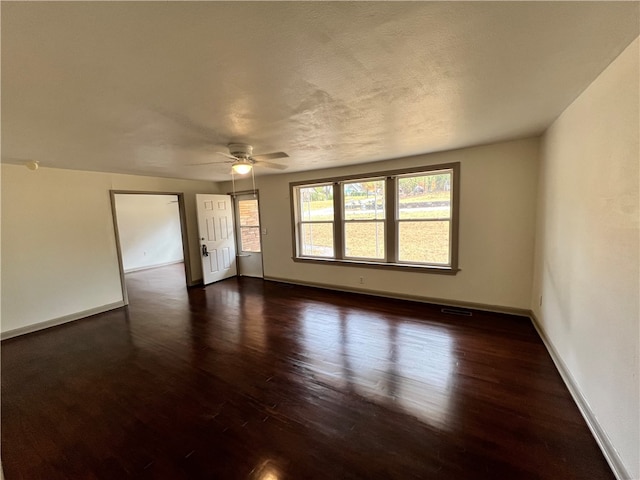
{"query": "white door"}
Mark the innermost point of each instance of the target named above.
(217, 241)
(249, 235)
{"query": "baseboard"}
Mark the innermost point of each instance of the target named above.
(151, 267)
(59, 321)
(602, 439)
(414, 298)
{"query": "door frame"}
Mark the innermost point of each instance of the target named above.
(255, 192)
(182, 212)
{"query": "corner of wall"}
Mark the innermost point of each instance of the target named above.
(586, 280)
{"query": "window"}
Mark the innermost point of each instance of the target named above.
(424, 218)
(405, 219)
(249, 225)
(316, 216)
(363, 219)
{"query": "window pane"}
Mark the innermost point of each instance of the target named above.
(248, 213)
(425, 196)
(250, 239)
(364, 200)
(424, 242)
(316, 203)
(364, 239)
(317, 239)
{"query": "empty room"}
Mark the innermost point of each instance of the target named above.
(323, 240)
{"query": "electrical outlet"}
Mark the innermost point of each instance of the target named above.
(540, 300)
(361, 280)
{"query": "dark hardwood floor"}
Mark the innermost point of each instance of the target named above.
(247, 379)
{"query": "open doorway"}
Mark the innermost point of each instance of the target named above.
(150, 232)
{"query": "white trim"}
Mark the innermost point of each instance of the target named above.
(151, 267)
(59, 321)
(601, 437)
(414, 298)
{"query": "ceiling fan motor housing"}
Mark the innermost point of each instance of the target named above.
(240, 150)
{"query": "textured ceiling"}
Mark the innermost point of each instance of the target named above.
(152, 87)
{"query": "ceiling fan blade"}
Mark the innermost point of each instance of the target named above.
(271, 165)
(270, 156)
(227, 155)
(208, 163)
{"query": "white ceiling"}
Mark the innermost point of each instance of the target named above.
(151, 87)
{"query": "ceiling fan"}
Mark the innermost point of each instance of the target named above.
(242, 159)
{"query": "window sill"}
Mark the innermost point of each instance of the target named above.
(384, 266)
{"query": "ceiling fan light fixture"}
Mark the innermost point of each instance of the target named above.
(241, 168)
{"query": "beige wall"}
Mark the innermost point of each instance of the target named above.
(58, 242)
(149, 230)
(586, 262)
(497, 218)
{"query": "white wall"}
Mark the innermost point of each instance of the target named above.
(149, 229)
(586, 260)
(58, 241)
(497, 219)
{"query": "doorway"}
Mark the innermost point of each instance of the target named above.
(249, 234)
(150, 232)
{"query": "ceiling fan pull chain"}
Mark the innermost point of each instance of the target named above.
(253, 178)
(233, 183)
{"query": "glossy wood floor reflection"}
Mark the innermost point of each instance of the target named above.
(248, 379)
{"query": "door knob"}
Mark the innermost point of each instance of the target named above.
(205, 252)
